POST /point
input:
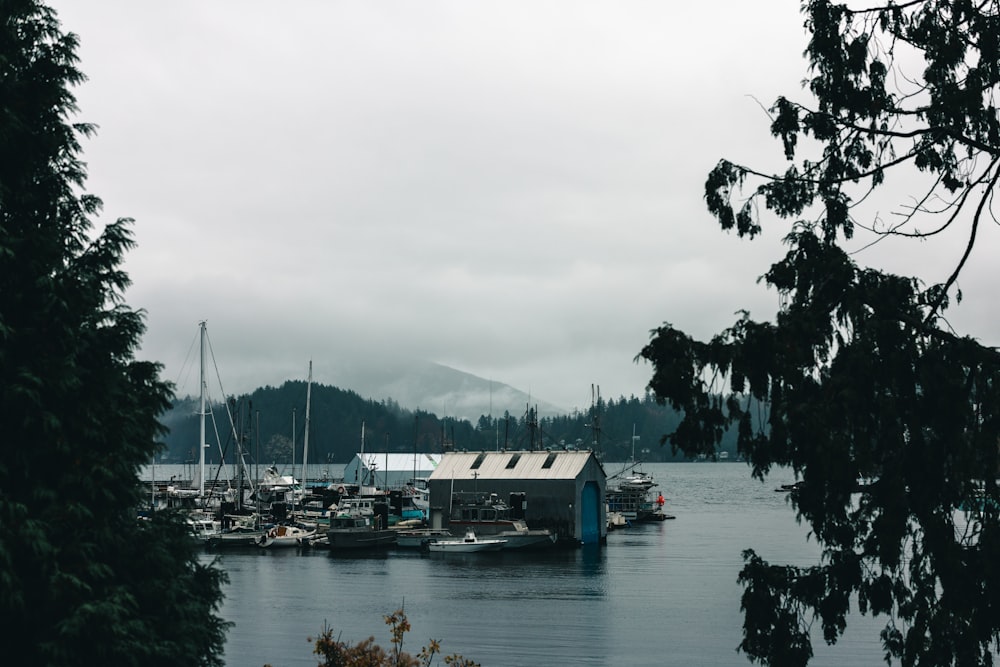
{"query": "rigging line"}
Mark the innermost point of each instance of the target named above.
(188, 364)
(222, 453)
(218, 377)
(232, 421)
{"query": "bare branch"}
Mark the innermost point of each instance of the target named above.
(972, 239)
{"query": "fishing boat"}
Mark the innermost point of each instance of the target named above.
(629, 493)
(486, 514)
(203, 526)
(401, 507)
(314, 511)
(359, 506)
(352, 532)
(471, 543)
(275, 488)
(406, 504)
(285, 536)
(419, 494)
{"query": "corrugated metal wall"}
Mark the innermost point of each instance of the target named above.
(564, 492)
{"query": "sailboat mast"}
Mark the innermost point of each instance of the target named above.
(305, 438)
(595, 418)
(361, 460)
(201, 412)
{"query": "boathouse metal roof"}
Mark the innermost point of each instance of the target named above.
(556, 464)
(396, 462)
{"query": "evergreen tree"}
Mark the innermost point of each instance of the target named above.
(82, 582)
(890, 418)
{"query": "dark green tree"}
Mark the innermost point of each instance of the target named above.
(82, 582)
(890, 418)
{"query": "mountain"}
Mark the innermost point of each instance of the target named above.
(424, 385)
(386, 395)
(405, 405)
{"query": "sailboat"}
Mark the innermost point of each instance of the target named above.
(305, 442)
(238, 527)
(286, 536)
(203, 525)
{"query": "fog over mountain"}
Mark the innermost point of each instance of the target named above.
(376, 374)
(424, 385)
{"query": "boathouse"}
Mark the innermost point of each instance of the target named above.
(389, 470)
(562, 490)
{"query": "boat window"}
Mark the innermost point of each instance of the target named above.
(513, 461)
(549, 460)
(479, 461)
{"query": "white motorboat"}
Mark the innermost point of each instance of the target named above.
(637, 481)
(203, 526)
(468, 544)
(615, 519)
(415, 538)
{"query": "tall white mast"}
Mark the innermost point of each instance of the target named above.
(201, 442)
(305, 438)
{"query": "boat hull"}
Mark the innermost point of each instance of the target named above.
(532, 539)
(516, 538)
(285, 537)
(464, 546)
(415, 539)
(350, 541)
(235, 539)
(357, 532)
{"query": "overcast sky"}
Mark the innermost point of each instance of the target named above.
(512, 189)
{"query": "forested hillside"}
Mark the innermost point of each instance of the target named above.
(263, 421)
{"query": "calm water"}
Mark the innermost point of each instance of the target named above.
(658, 594)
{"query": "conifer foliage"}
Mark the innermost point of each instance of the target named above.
(82, 582)
(890, 418)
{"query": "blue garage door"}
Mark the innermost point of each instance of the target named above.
(590, 514)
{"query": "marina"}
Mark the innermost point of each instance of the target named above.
(520, 499)
(485, 501)
(463, 209)
(657, 593)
